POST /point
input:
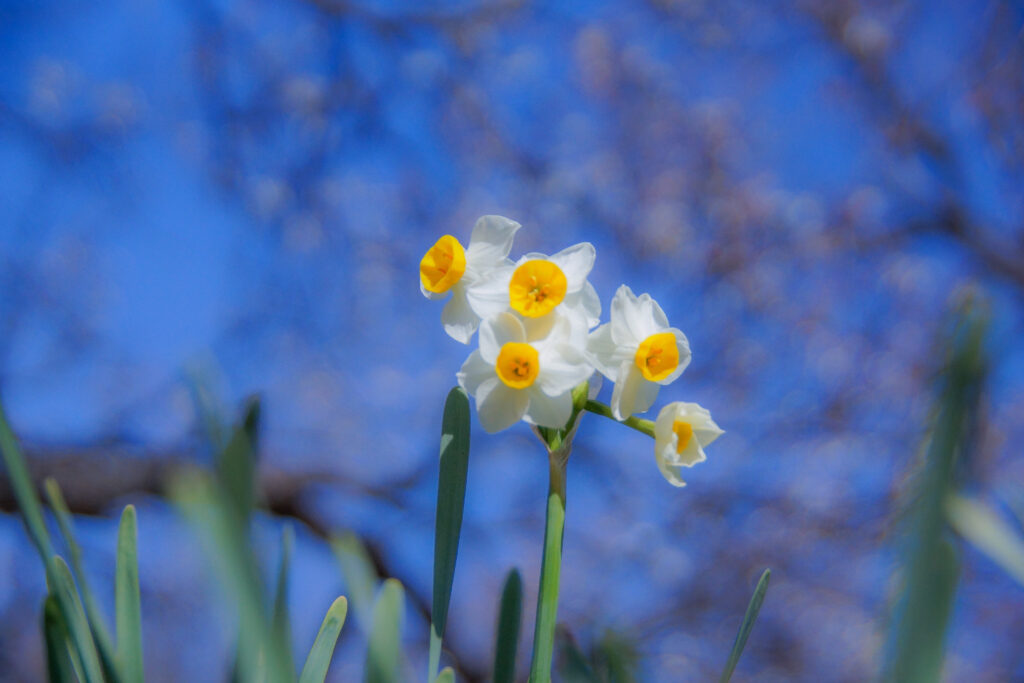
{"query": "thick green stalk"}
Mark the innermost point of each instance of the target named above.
(550, 570)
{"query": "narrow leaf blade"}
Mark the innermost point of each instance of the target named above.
(447, 675)
(62, 586)
(360, 576)
(753, 608)
(987, 532)
(280, 619)
(127, 604)
(384, 654)
(451, 498)
(24, 492)
(319, 659)
(510, 617)
(58, 661)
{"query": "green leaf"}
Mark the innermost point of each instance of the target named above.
(65, 523)
(753, 608)
(281, 622)
(360, 576)
(573, 666)
(24, 492)
(236, 464)
(319, 659)
(62, 587)
(384, 654)
(126, 600)
(510, 616)
(226, 543)
(446, 676)
(58, 662)
(987, 532)
(451, 498)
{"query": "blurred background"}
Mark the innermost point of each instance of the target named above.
(204, 200)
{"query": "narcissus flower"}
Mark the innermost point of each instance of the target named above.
(538, 285)
(448, 267)
(681, 432)
(514, 376)
(638, 351)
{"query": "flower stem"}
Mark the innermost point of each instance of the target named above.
(550, 570)
(637, 423)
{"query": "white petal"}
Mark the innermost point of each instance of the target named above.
(691, 455)
(576, 262)
(671, 473)
(498, 331)
(632, 394)
(635, 318)
(500, 406)
(591, 304)
(488, 295)
(562, 367)
(683, 347)
(491, 241)
(704, 432)
(604, 354)
(549, 411)
(474, 372)
(459, 320)
(433, 296)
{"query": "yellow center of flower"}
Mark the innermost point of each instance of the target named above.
(536, 288)
(657, 356)
(442, 265)
(517, 365)
(684, 432)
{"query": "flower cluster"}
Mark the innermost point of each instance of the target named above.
(536, 319)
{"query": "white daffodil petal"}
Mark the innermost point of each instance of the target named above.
(657, 316)
(604, 354)
(625, 310)
(590, 304)
(549, 411)
(691, 454)
(683, 348)
(491, 241)
(433, 296)
(632, 394)
(561, 368)
(576, 262)
(671, 473)
(474, 372)
(499, 406)
(498, 331)
(459, 320)
(488, 295)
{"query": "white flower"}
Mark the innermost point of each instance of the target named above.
(638, 351)
(514, 376)
(538, 285)
(448, 267)
(681, 432)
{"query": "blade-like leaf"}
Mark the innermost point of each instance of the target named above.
(384, 654)
(65, 523)
(319, 659)
(281, 622)
(360, 576)
(451, 498)
(447, 675)
(62, 587)
(748, 624)
(24, 492)
(58, 661)
(510, 617)
(126, 600)
(987, 532)
(573, 666)
(236, 464)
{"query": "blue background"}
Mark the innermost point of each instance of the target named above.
(238, 194)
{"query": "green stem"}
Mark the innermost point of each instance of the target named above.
(637, 423)
(550, 569)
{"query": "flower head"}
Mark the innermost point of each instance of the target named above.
(537, 285)
(681, 432)
(448, 267)
(515, 375)
(638, 351)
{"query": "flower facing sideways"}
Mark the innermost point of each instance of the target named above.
(537, 285)
(681, 432)
(514, 377)
(638, 351)
(448, 267)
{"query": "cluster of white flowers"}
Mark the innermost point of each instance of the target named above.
(537, 342)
